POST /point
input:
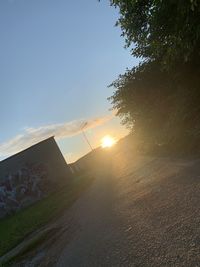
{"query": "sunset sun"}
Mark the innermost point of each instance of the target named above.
(107, 141)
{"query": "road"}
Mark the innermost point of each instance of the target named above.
(139, 211)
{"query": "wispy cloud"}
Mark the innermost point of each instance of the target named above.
(31, 136)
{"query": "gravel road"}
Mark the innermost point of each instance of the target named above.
(139, 211)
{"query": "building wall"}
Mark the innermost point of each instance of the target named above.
(94, 159)
(31, 175)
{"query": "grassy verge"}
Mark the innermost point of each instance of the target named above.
(15, 228)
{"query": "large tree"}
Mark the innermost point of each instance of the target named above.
(160, 98)
(165, 30)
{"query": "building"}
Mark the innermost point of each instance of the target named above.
(96, 158)
(31, 175)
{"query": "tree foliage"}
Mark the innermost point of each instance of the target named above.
(160, 98)
(164, 30)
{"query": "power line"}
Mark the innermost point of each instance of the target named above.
(85, 137)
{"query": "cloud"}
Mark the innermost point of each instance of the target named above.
(32, 136)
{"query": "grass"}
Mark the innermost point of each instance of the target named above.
(15, 228)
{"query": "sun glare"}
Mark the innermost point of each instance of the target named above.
(107, 141)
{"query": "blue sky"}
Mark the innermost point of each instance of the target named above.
(57, 58)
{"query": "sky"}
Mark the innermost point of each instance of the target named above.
(57, 58)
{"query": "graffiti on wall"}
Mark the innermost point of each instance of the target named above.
(22, 188)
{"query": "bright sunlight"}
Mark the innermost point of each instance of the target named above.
(107, 141)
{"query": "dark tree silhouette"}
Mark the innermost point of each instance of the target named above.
(160, 98)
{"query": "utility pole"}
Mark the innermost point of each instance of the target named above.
(85, 137)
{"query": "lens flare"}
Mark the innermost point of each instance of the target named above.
(107, 141)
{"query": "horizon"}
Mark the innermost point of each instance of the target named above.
(57, 60)
(35, 144)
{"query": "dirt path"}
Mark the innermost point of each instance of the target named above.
(139, 211)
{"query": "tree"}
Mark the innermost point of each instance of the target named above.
(168, 31)
(160, 98)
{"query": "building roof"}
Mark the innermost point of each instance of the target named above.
(30, 147)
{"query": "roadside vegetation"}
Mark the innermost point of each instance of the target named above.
(17, 227)
(159, 99)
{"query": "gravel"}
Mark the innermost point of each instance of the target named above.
(139, 211)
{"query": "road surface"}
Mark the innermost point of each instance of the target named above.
(139, 211)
